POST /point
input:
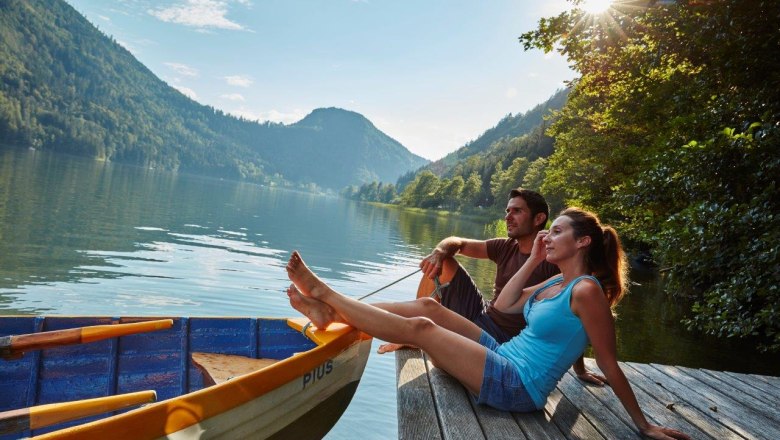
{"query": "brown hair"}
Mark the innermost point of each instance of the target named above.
(535, 201)
(605, 258)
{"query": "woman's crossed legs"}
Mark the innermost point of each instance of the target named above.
(449, 339)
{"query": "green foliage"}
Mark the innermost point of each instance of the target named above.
(66, 87)
(421, 191)
(504, 181)
(371, 192)
(489, 166)
(497, 228)
(671, 133)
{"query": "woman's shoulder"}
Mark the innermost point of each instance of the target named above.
(586, 287)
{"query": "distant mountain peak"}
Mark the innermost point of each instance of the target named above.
(67, 87)
(334, 116)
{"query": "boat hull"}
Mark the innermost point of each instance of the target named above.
(300, 396)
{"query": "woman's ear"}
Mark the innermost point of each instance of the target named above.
(583, 241)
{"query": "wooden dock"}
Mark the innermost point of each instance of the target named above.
(702, 403)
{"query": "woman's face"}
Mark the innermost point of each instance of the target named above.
(560, 242)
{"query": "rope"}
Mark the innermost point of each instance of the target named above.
(385, 287)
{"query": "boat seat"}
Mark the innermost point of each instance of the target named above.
(218, 368)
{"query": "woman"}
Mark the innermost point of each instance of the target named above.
(564, 314)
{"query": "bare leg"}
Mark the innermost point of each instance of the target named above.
(320, 314)
(431, 309)
(460, 356)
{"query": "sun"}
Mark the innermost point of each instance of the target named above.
(595, 7)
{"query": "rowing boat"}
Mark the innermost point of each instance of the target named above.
(212, 377)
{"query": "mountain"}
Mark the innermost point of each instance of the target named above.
(507, 128)
(518, 136)
(66, 87)
(346, 148)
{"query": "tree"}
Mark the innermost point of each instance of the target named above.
(421, 190)
(671, 132)
(471, 191)
(503, 181)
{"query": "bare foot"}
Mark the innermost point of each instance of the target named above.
(320, 314)
(391, 347)
(300, 274)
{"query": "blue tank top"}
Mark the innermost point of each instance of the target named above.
(553, 340)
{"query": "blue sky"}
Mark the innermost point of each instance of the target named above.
(432, 74)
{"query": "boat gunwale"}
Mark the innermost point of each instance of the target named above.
(177, 413)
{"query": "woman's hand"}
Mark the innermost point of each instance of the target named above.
(590, 377)
(659, 432)
(539, 251)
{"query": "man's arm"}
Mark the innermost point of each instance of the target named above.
(448, 248)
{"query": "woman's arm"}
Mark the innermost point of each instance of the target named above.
(513, 296)
(590, 305)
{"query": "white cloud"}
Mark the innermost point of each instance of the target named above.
(129, 47)
(239, 80)
(186, 91)
(270, 115)
(511, 92)
(199, 14)
(233, 97)
(183, 69)
(104, 18)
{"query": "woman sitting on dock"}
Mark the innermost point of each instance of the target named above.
(564, 313)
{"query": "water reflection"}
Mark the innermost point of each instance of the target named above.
(85, 237)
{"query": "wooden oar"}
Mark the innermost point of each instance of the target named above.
(13, 346)
(46, 415)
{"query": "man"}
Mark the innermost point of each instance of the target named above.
(526, 215)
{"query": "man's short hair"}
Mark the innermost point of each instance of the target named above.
(535, 201)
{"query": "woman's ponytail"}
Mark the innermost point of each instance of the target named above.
(605, 258)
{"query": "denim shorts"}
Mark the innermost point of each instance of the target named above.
(502, 387)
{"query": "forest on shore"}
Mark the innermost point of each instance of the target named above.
(68, 88)
(671, 133)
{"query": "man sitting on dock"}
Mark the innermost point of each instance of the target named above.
(526, 214)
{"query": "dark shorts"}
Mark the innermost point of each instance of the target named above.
(464, 298)
(502, 387)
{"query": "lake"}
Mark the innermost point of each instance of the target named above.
(79, 236)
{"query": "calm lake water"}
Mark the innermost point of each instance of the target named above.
(84, 237)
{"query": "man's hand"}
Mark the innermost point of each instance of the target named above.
(431, 265)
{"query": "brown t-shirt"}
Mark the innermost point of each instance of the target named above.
(505, 252)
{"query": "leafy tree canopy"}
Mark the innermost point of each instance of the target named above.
(671, 132)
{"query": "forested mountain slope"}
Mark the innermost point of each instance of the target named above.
(66, 87)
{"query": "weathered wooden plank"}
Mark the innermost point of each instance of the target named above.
(537, 425)
(766, 380)
(771, 380)
(607, 423)
(457, 417)
(764, 391)
(729, 413)
(568, 418)
(496, 424)
(693, 415)
(731, 390)
(416, 411)
(655, 411)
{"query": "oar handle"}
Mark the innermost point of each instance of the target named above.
(13, 346)
(46, 415)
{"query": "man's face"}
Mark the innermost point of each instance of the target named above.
(519, 219)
